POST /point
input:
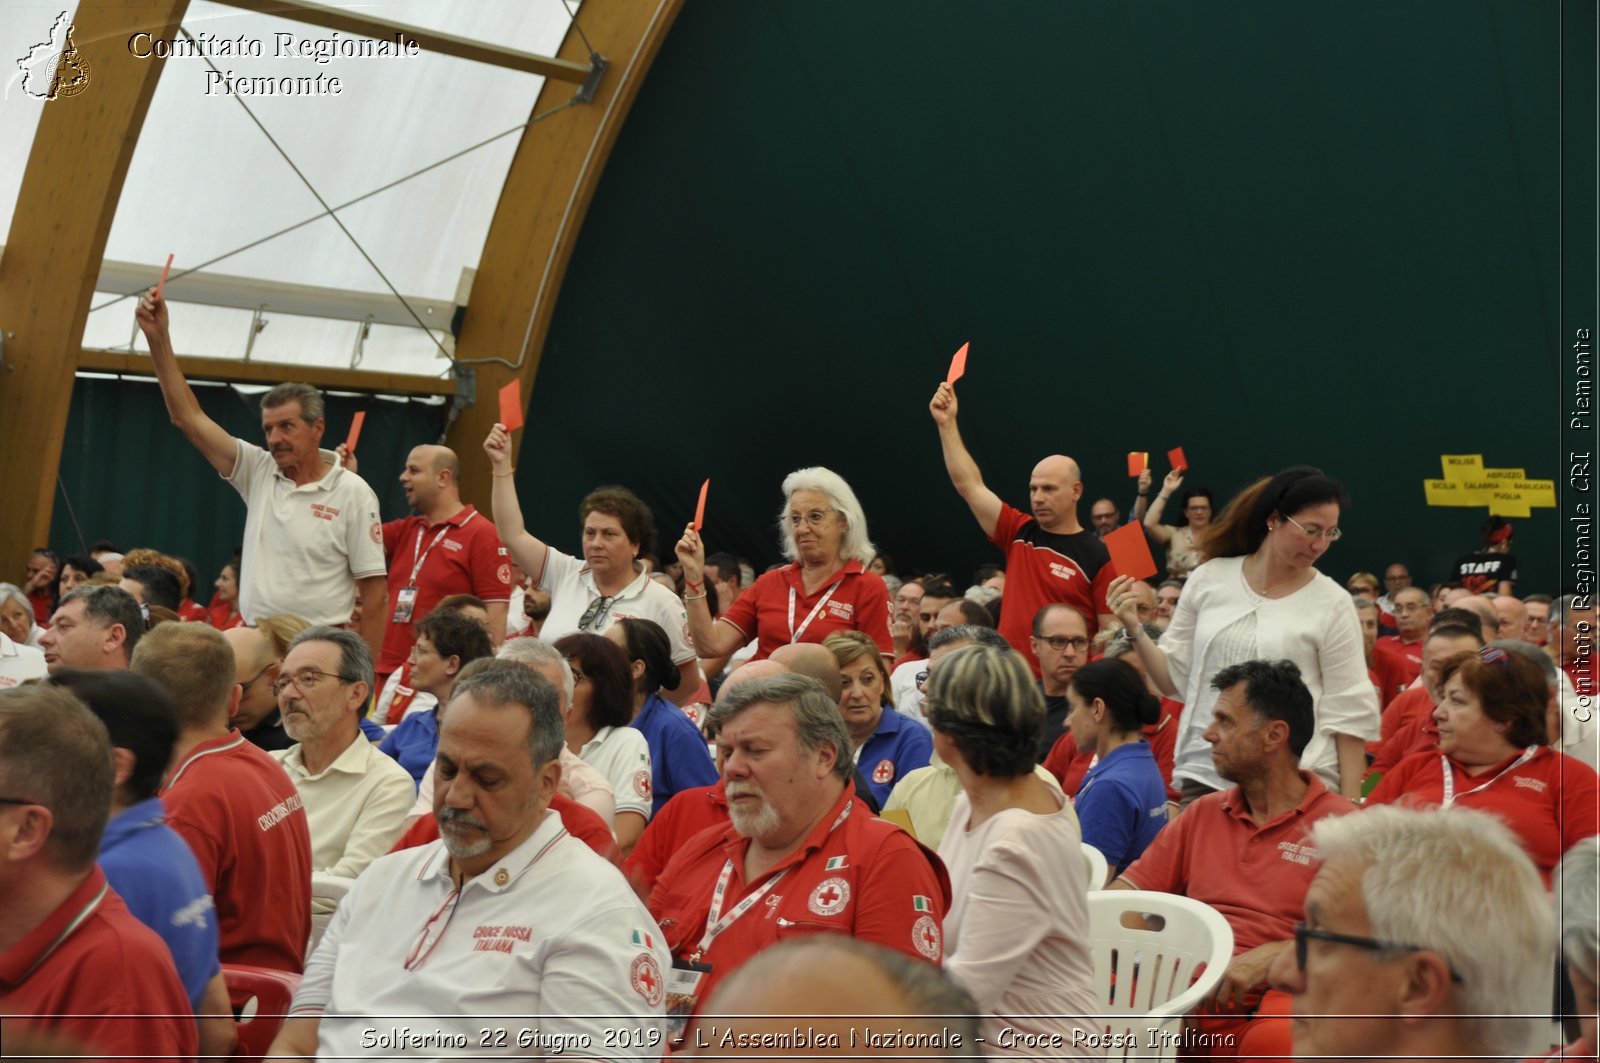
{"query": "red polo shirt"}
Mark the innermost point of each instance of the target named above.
(1550, 802)
(95, 975)
(1397, 663)
(681, 818)
(467, 559)
(243, 818)
(1043, 567)
(1255, 875)
(860, 602)
(867, 878)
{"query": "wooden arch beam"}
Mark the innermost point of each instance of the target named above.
(542, 205)
(52, 256)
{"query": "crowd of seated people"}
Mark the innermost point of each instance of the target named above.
(611, 802)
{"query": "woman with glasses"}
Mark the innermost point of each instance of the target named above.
(827, 587)
(1259, 596)
(1182, 543)
(609, 582)
(1493, 756)
(1016, 934)
(598, 731)
(1122, 801)
(679, 759)
(887, 744)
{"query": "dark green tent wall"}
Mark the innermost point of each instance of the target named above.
(1271, 234)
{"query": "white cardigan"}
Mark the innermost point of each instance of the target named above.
(1315, 627)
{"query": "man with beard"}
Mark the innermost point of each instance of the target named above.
(1244, 850)
(506, 915)
(801, 855)
(355, 796)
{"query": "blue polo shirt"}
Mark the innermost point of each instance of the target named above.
(413, 742)
(1122, 804)
(679, 759)
(899, 746)
(156, 875)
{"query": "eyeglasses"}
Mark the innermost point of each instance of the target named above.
(1197, 509)
(596, 612)
(307, 681)
(253, 680)
(1333, 535)
(1303, 933)
(16, 801)
(1061, 642)
(1414, 607)
(922, 679)
(816, 518)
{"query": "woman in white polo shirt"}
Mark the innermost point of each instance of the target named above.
(598, 731)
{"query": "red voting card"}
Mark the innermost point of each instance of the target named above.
(700, 507)
(1176, 458)
(958, 365)
(1130, 554)
(1138, 462)
(355, 431)
(163, 281)
(511, 405)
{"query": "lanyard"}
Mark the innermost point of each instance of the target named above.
(714, 925)
(422, 555)
(794, 636)
(1450, 779)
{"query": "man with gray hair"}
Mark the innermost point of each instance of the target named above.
(845, 988)
(547, 932)
(1382, 967)
(355, 796)
(800, 854)
(311, 536)
(95, 626)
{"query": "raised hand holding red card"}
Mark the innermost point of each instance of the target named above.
(511, 405)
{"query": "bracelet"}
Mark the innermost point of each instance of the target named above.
(508, 472)
(698, 585)
(693, 597)
(1144, 494)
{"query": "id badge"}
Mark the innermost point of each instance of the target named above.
(683, 994)
(404, 603)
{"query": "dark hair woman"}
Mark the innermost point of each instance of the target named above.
(1122, 801)
(679, 758)
(598, 731)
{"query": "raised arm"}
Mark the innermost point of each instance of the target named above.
(711, 638)
(1141, 501)
(209, 438)
(525, 550)
(964, 474)
(1126, 609)
(1162, 533)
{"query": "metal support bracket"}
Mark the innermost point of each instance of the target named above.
(598, 65)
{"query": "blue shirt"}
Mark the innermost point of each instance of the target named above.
(156, 875)
(899, 746)
(679, 759)
(373, 731)
(413, 742)
(1122, 804)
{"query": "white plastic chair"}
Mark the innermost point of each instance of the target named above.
(326, 893)
(1146, 978)
(1097, 867)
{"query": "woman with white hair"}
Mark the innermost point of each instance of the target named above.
(16, 616)
(827, 588)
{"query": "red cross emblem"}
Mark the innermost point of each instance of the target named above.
(925, 936)
(883, 772)
(830, 897)
(646, 979)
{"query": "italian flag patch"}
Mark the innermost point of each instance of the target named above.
(640, 938)
(921, 904)
(834, 863)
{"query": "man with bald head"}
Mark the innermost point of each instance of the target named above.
(1513, 616)
(1050, 557)
(445, 548)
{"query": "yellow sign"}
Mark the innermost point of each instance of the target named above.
(1540, 493)
(1447, 493)
(1460, 466)
(1508, 504)
(1505, 474)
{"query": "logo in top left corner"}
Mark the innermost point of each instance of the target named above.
(54, 69)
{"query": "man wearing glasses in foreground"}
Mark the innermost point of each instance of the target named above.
(507, 937)
(356, 797)
(1375, 974)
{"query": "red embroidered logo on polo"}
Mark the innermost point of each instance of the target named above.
(1536, 785)
(830, 897)
(1297, 852)
(841, 610)
(451, 544)
(1062, 572)
(322, 512)
(499, 938)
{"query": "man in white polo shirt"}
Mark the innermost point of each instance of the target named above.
(311, 533)
(505, 938)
